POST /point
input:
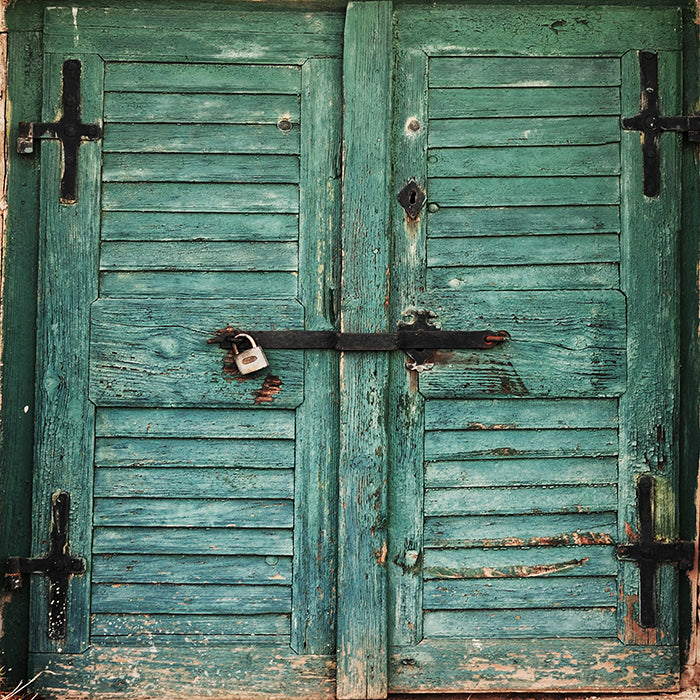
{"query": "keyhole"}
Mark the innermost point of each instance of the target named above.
(412, 198)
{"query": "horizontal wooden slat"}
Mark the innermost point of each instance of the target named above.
(520, 530)
(201, 78)
(533, 131)
(511, 501)
(519, 563)
(562, 592)
(171, 482)
(211, 568)
(204, 600)
(199, 285)
(178, 255)
(588, 622)
(130, 628)
(522, 221)
(197, 138)
(173, 108)
(158, 226)
(531, 162)
(475, 444)
(522, 72)
(184, 452)
(192, 167)
(519, 191)
(165, 196)
(154, 352)
(514, 277)
(154, 540)
(194, 423)
(521, 472)
(498, 414)
(454, 103)
(523, 250)
(187, 512)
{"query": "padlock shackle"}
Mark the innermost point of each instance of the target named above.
(236, 351)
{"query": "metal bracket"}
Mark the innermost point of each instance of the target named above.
(648, 552)
(650, 123)
(419, 339)
(69, 130)
(58, 566)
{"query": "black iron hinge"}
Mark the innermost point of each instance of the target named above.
(651, 124)
(649, 552)
(58, 566)
(69, 130)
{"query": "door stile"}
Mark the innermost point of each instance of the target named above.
(410, 135)
(362, 550)
(648, 409)
(316, 480)
(69, 251)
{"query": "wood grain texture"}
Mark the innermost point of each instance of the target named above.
(185, 138)
(191, 568)
(455, 103)
(194, 482)
(65, 416)
(588, 592)
(202, 78)
(541, 32)
(531, 624)
(521, 277)
(362, 551)
(518, 563)
(522, 72)
(164, 357)
(534, 131)
(188, 226)
(314, 596)
(406, 439)
(499, 664)
(648, 410)
(520, 530)
(268, 669)
(163, 629)
(522, 221)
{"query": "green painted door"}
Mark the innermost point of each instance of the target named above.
(340, 524)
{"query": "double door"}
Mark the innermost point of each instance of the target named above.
(338, 523)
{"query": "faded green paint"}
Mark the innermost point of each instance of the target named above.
(523, 435)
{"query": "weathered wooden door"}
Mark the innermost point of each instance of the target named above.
(340, 523)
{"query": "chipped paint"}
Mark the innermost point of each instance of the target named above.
(563, 540)
(269, 389)
(505, 571)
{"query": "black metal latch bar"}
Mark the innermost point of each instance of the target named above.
(419, 340)
(69, 130)
(650, 123)
(649, 552)
(58, 566)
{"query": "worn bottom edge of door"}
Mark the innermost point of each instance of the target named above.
(276, 671)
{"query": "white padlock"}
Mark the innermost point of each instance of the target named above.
(250, 360)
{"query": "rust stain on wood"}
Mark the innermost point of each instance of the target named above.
(634, 633)
(505, 571)
(565, 539)
(269, 389)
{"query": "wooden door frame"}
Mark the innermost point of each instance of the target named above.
(21, 99)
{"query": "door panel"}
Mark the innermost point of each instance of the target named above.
(253, 536)
(525, 456)
(216, 206)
